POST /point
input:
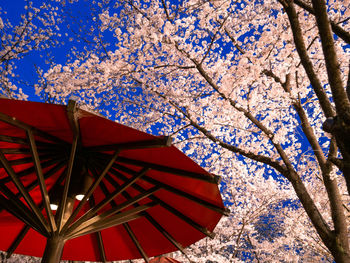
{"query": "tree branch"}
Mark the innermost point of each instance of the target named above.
(166, 11)
(340, 98)
(340, 32)
(305, 60)
(331, 186)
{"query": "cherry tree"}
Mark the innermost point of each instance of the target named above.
(35, 30)
(257, 91)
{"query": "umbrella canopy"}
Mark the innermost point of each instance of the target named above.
(164, 260)
(139, 196)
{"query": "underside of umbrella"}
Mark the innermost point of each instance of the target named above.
(118, 193)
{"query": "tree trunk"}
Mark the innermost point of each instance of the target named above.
(340, 255)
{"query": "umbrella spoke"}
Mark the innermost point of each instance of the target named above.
(12, 139)
(118, 219)
(34, 184)
(73, 120)
(147, 216)
(168, 207)
(90, 191)
(10, 120)
(176, 191)
(23, 191)
(156, 143)
(19, 140)
(16, 208)
(72, 114)
(25, 150)
(98, 237)
(31, 186)
(136, 242)
(87, 220)
(31, 169)
(126, 225)
(157, 226)
(193, 198)
(48, 174)
(26, 160)
(41, 181)
(17, 241)
(63, 201)
(101, 246)
(163, 232)
(15, 150)
(111, 196)
(210, 178)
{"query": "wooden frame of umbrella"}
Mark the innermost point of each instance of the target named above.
(64, 224)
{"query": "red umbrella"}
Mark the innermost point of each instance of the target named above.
(139, 196)
(164, 260)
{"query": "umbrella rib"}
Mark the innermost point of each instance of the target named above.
(101, 226)
(86, 221)
(111, 196)
(136, 242)
(72, 109)
(116, 208)
(41, 181)
(73, 121)
(25, 150)
(13, 121)
(166, 234)
(186, 219)
(164, 141)
(31, 186)
(156, 225)
(23, 191)
(48, 174)
(176, 191)
(24, 160)
(27, 160)
(30, 169)
(101, 246)
(210, 178)
(12, 139)
(15, 150)
(90, 191)
(98, 236)
(18, 140)
(17, 241)
(114, 220)
(21, 161)
(121, 189)
(63, 201)
(17, 209)
(126, 225)
(169, 208)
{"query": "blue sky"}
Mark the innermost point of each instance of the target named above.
(26, 71)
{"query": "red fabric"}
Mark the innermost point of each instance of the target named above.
(163, 260)
(97, 131)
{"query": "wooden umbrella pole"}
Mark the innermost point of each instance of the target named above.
(55, 243)
(53, 250)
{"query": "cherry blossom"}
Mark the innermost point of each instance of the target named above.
(244, 87)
